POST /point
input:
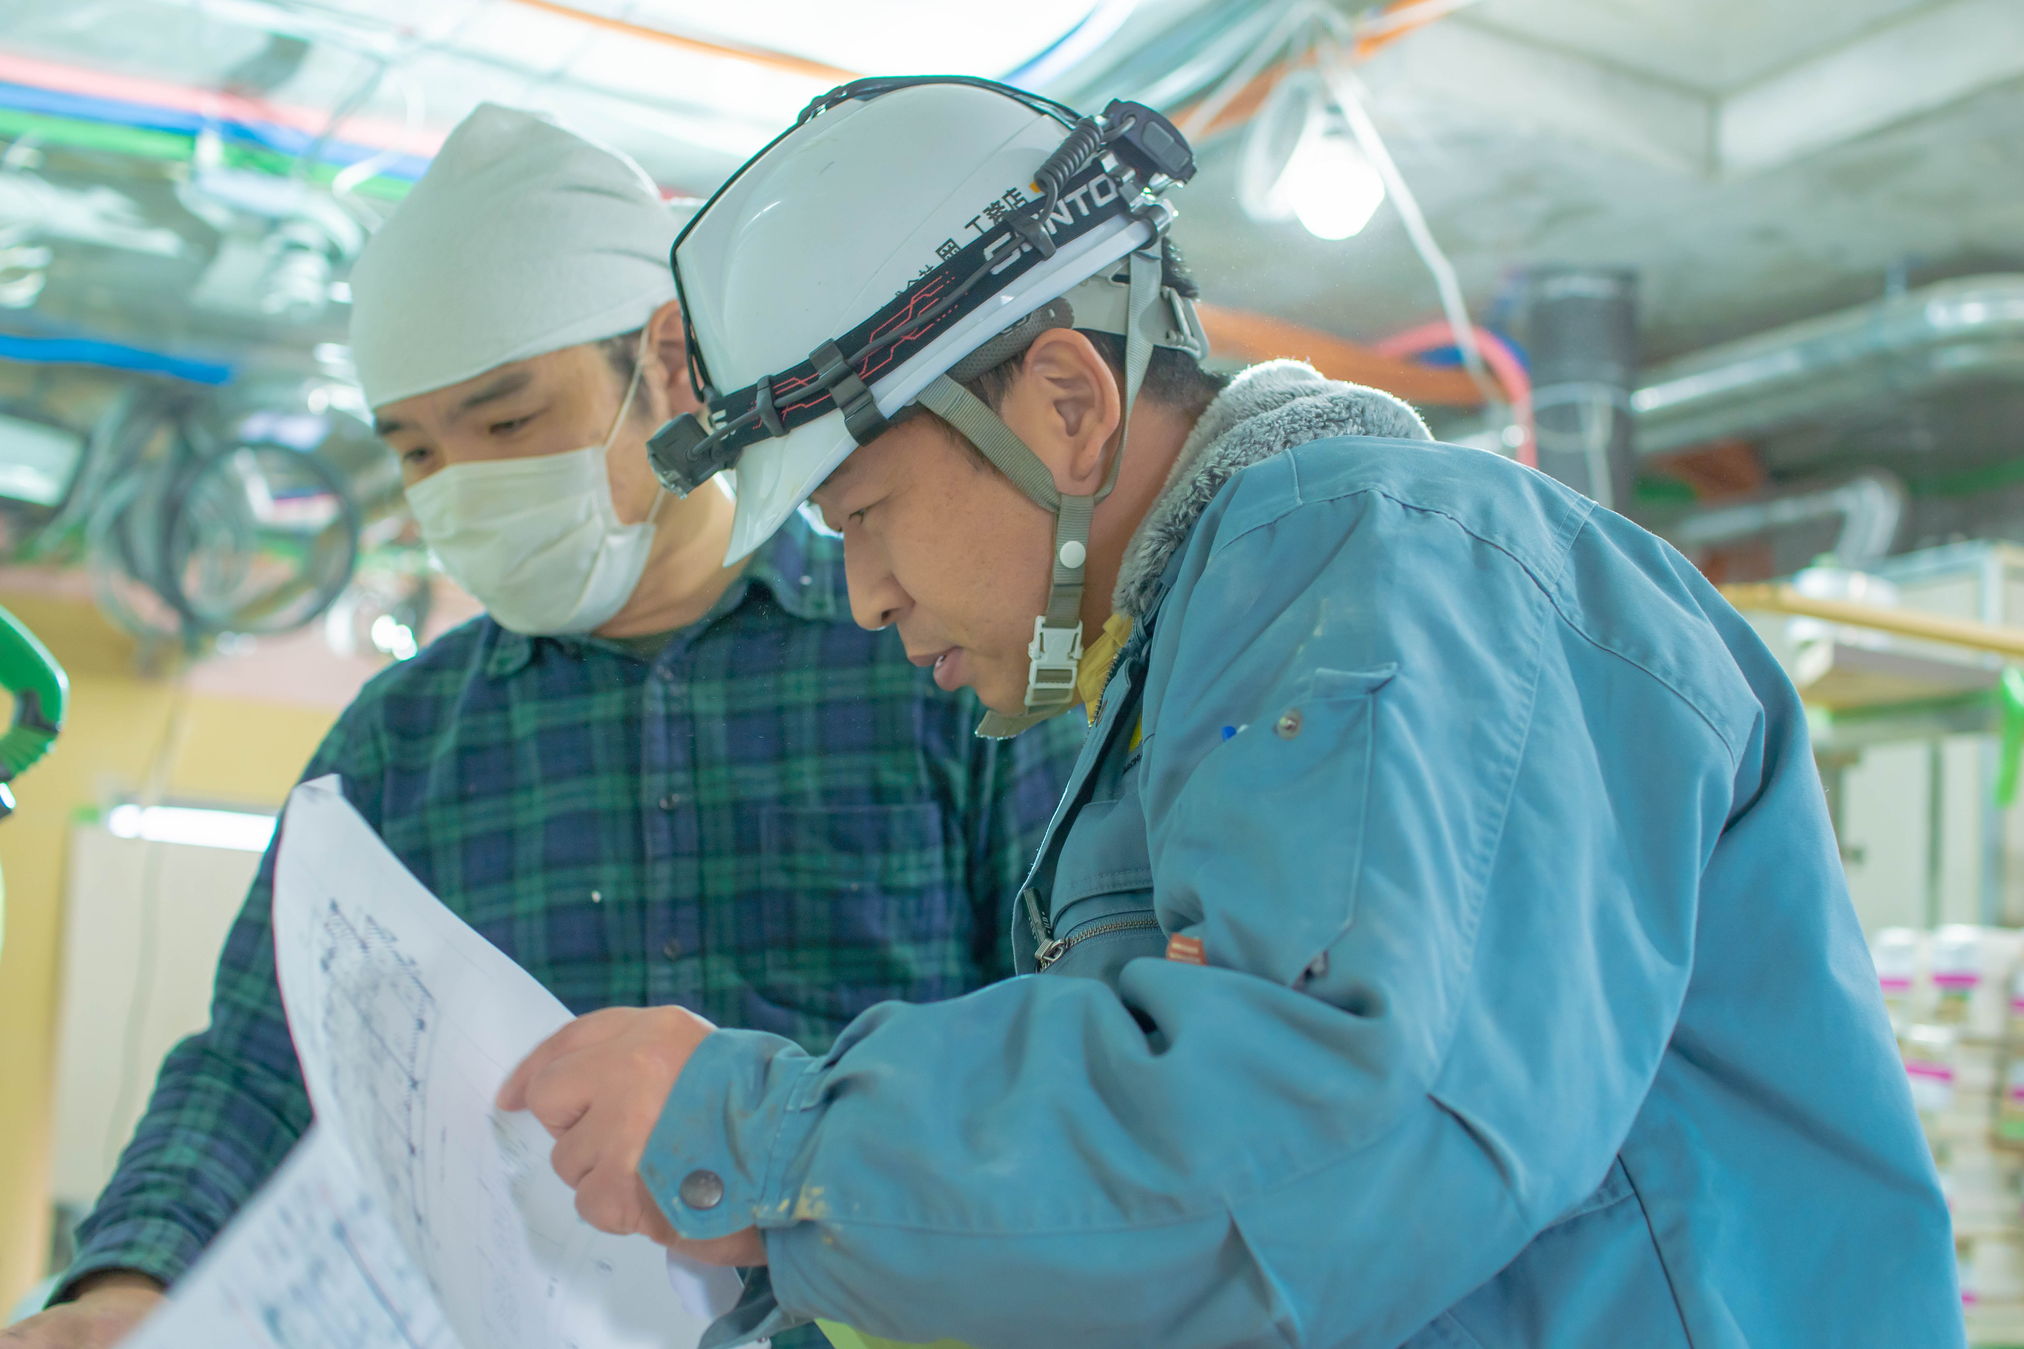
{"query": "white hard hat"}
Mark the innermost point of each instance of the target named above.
(903, 235)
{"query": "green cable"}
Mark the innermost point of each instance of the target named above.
(176, 147)
(1655, 490)
(138, 142)
(1968, 482)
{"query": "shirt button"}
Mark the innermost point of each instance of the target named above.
(672, 949)
(671, 801)
(702, 1190)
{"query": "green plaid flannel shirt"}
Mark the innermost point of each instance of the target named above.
(777, 822)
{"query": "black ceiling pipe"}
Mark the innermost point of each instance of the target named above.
(1580, 333)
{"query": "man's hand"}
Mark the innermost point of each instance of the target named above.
(598, 1085)
(107, 1310)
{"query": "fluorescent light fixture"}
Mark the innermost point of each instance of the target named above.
(192, 825)
(1333, 190)
(37, 460)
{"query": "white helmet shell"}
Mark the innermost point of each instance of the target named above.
(849, 209)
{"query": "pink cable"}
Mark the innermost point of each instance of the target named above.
(1497, 355)
(216, 104)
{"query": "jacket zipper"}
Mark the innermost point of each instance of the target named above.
(1048, 948)
(1036, 921)
(1057, 947)
(1096, 709)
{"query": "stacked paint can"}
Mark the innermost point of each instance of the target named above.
(1956, 1001)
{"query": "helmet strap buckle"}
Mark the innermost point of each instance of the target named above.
(853, 397)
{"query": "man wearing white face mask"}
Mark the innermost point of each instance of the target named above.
(537, 537)
(647, 777)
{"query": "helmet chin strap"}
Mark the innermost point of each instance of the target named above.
(1056, 649)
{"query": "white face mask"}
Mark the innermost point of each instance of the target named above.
(537, 540)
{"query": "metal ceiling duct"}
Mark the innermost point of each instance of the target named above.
(1905, 345)
(1580, 327)
(1870, 506)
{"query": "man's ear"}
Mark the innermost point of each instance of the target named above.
(668, 343)
(1067, 407)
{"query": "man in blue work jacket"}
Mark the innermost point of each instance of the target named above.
(1463, 953)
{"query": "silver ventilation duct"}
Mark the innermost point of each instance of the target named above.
(1917, 342)
(1870, 506)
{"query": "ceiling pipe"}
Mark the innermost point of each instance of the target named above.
(1906, 344)
(1579, 327)
(1870, 506)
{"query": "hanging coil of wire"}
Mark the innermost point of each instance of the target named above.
(199, 531)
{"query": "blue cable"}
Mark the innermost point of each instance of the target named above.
(146, 117)
(1019, 73)
(110, 356)
(55, 103)
(1450, 356)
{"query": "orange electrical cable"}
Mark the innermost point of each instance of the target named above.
(1257, 337)
(1245, 103)
(781, 61)
(1368, 46)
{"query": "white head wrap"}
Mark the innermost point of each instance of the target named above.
(522, 238)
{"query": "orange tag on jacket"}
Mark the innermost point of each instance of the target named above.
(1187, 950)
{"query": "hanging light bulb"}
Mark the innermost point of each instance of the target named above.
(1300, 162)
(1332, 188)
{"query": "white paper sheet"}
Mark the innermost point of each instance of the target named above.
(406, 1023)
(310, 1263)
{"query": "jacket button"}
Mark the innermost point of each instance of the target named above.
(671, 801)
(702, 1190)
(1288, 724)
(672, 949)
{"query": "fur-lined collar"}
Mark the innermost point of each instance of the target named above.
(1266, 409)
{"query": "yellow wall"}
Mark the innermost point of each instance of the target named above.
(232, 751)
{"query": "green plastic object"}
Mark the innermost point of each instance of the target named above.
(41, 693)
(843, 1337)
(2011, 692)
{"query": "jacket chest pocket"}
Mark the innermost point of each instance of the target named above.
(1100, 912)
